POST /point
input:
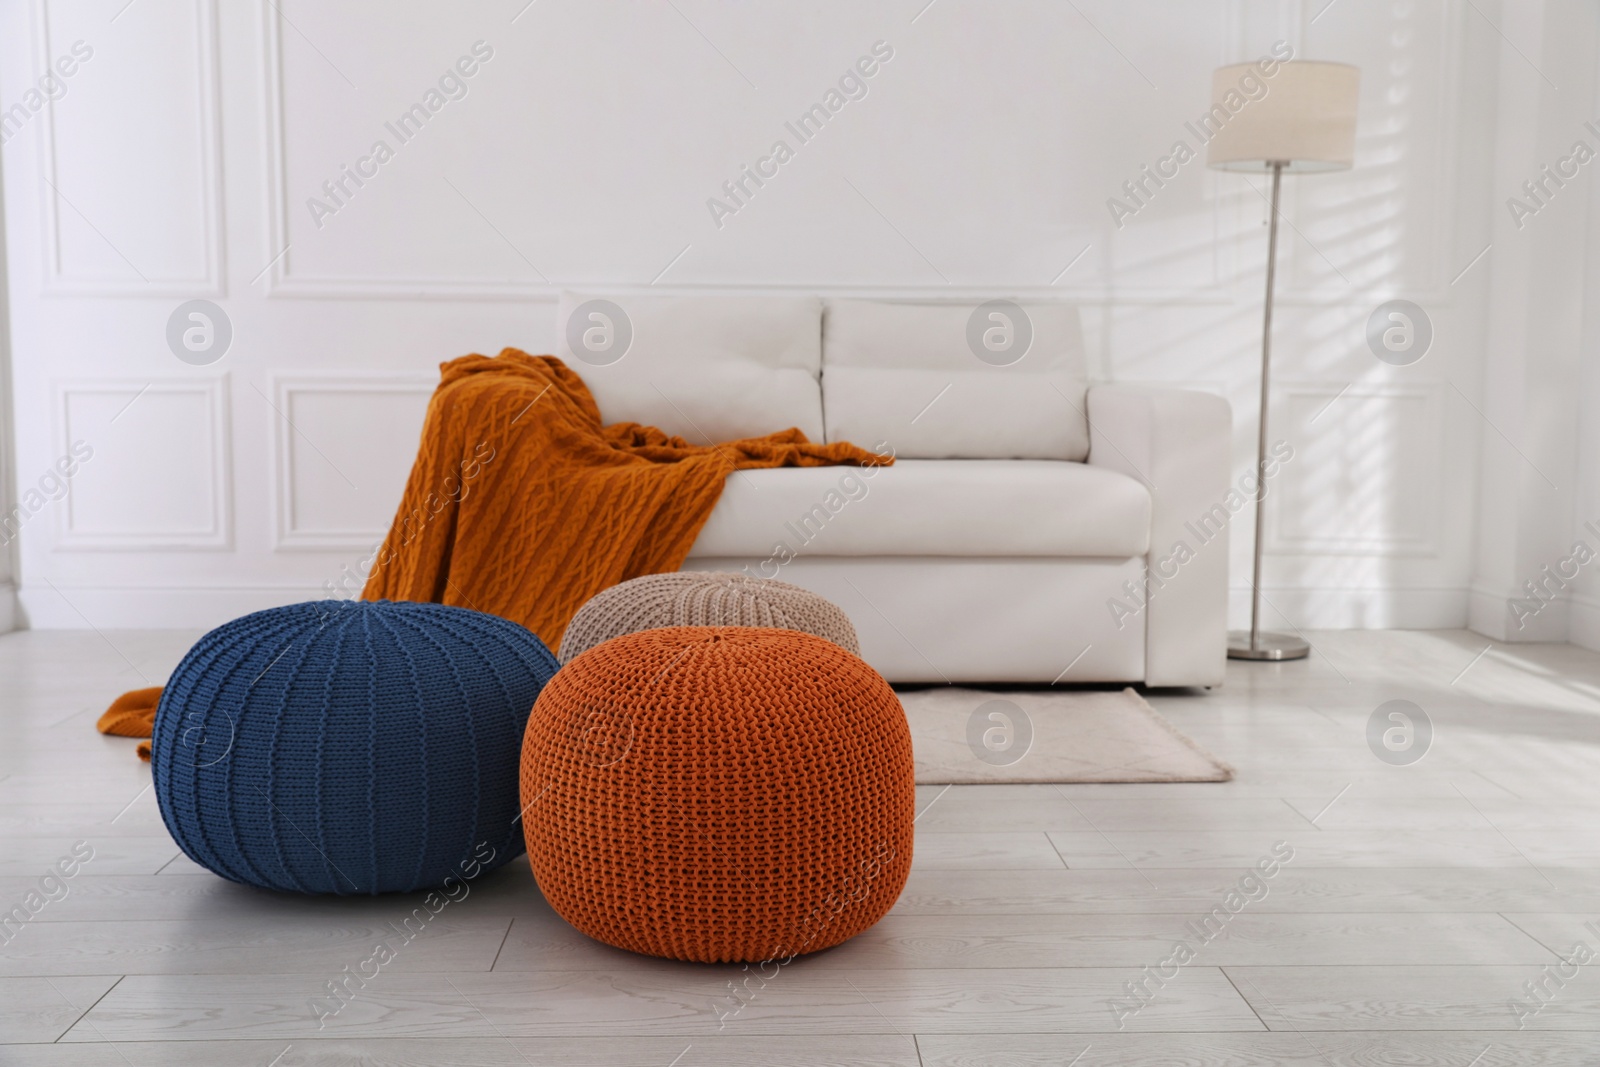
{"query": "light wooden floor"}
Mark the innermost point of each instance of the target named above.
(1418, 904)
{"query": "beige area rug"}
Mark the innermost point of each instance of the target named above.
(972, 735)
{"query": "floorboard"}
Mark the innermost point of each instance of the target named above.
(1416, 997)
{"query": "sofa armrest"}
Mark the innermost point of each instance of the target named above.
(1179, 444)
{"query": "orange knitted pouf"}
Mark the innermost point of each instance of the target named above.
(719, 794)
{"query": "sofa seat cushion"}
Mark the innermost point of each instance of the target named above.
(707, 368)
(929, 507)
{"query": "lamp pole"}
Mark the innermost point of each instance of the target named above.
(1265, 646)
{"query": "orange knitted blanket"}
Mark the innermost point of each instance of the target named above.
(523, 505)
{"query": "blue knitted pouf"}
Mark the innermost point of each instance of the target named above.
(349, 746)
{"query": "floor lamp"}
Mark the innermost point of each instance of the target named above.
(1278, 117)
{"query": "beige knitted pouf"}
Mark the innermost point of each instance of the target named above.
(704, 598)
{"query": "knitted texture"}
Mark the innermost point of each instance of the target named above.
(719, 793)
(131, 715)
(704, 598)
(348, 747)
(523, 505)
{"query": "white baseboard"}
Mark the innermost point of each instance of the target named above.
(1489, 614)
(9, 615)
(1352, 609)
(1583, 621)
(162, 608)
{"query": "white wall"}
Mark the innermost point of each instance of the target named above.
(180, 160)
(1540, 399)
(1583, 598)
(8, 544)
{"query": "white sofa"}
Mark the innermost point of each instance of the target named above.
(1011, 539)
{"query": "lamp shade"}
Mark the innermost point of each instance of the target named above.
(1303, 115)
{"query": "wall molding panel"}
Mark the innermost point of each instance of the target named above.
(284, 280)
(1441, 205)
(373, 411)
(207, 277)
(167, 459)
(1400, 522)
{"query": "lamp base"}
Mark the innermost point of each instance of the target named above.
(1268, 646)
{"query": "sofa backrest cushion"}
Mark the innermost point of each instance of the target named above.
(706, 368)
(911, 375)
